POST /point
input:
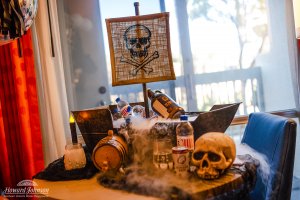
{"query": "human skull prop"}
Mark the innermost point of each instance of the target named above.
(137, 38)
(214, 153)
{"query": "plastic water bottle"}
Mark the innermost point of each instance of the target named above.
(124, 108)
(125, 130)
(116, 114)
(121, 103)
(185, 133)
(138, 111)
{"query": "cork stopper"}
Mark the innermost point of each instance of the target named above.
(110, 133)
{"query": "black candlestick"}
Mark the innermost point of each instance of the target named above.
(73, 130)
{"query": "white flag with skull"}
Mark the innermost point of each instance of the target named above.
(140, 49)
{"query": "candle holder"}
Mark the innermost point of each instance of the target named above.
(74, 157)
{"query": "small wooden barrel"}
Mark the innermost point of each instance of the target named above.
(110, 153)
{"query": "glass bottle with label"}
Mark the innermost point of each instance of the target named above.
(163, 105)
(185, 133)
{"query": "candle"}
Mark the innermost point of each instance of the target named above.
(73, 130)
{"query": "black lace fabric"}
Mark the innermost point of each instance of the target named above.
(55, 171)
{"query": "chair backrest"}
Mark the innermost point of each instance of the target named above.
(275, 137)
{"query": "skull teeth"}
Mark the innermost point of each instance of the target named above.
(208, 173)
(207, 176)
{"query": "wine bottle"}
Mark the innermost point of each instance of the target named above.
(163, 105)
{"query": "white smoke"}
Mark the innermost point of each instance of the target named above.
(142, 137)
(146, 179)
(142, 176)
(159, 183)
(140, 123)
(264, 167)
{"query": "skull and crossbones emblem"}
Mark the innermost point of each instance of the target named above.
(137, 39)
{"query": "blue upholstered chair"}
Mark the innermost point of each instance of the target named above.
(275, 137)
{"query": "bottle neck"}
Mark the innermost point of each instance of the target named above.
(150, 94)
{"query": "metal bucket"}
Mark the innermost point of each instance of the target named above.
(94, 125)
(110, 153)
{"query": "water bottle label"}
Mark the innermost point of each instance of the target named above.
(159, 107)
(186, 141)
(125, 111)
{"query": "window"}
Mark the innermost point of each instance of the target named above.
(223, 52)
(221, 55)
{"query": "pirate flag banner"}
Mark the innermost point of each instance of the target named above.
(140, 49)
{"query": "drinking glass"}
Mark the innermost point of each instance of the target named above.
(162, 154)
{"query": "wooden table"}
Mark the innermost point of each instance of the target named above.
(84, 189)
(235, 184)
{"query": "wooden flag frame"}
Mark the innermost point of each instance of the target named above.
(140, 49)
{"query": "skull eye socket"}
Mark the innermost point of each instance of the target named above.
(198, 155)
(132, 41)
(143, 40)
(213, 157)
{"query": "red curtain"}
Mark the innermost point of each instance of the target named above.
(21, 154)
